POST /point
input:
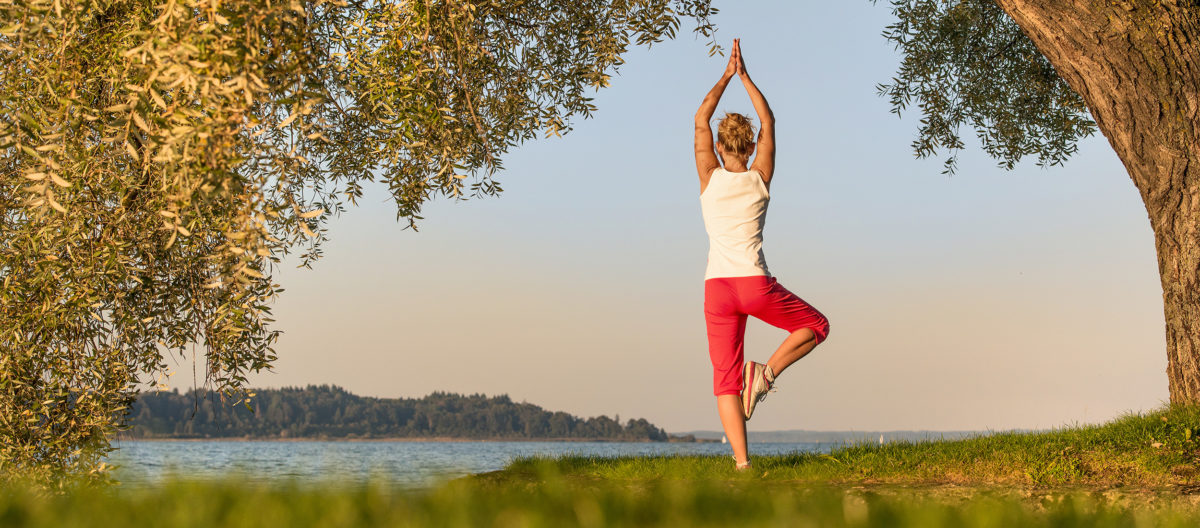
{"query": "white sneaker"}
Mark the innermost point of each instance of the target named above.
(757, 381)
(740, 466)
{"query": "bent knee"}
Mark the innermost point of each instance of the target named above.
(820, 330)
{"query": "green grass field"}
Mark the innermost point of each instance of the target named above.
(555, 501)
(1136, 471)
(1159, 450)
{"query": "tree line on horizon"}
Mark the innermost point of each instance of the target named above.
(328, 411)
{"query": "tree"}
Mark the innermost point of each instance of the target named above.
(1025, 74)
(159, 158)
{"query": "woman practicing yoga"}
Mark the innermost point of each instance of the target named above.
(733, 198)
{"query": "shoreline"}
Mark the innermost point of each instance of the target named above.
(401, 439)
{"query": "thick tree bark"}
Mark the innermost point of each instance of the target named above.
(1136, 63)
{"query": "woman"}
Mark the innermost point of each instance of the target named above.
(733, 198)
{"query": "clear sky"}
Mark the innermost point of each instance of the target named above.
(987, 300)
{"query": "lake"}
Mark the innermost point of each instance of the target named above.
(403, 463)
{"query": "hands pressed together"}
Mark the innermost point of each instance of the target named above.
(736, 65)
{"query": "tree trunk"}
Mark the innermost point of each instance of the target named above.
(1137, 66)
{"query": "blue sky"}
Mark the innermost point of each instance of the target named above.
(988, 300)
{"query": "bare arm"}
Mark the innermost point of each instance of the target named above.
(764, 160)
(706, 157)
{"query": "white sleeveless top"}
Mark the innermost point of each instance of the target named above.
(734, 205)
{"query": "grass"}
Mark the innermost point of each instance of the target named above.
(1158, 450)
(555, 502)
(1136, 471)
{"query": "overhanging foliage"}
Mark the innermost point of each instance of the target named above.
(159, 158)
(967, 63)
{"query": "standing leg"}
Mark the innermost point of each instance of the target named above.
(725, 346)
(729, 407)
(726, 327)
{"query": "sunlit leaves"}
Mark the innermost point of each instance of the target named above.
(965, 62)
(158, 159)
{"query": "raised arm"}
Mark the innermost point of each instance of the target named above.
(706, 157)
(764, 159)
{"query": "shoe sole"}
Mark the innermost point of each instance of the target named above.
(749, 395)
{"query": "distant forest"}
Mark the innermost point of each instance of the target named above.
(333, 413)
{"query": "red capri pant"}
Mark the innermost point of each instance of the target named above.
(727, 302)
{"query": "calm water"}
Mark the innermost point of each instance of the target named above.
(413, 464)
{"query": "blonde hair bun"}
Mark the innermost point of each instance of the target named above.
(735, 133)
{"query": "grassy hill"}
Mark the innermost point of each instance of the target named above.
(1136, 471)
(1158, 450)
